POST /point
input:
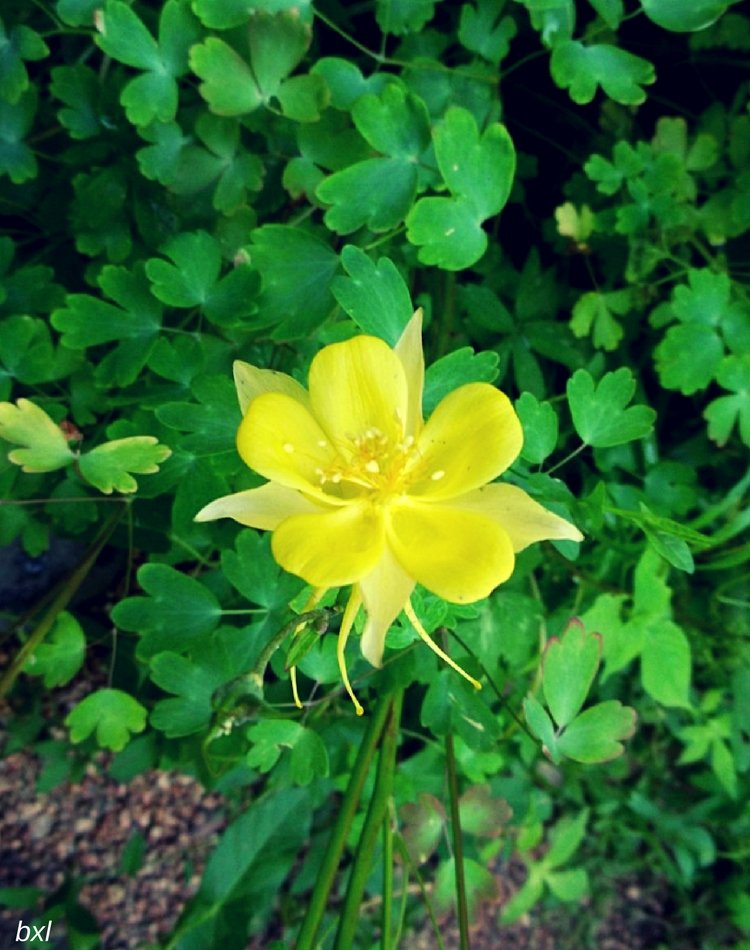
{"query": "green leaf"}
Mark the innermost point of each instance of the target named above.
(277, 45)
(134, 319)
(374, 294)
(78, 87)
(21, 43)
(222, 14)
(403, 16)
(378, 192)
(60, 656)
(684, 17)
(724, 412)
(252, 570)
(581, 69)
(540, 428)
(192, 280)
(228, 86)
(570, 885)
(688, 357)
(483, 30)
(78, 12)
(611, 11)
(481, 885)
(666, 665)
(569, 668)
(422, 825)
(178, 611)
(595, 735)
(122, 35)
(193, 682)
(599, 414)
(565, 839)
(479, 172)
(111, 713)
(308, 759)
(483, 814)
(44, 448)
(252, 859)
(455, 369)
(108, 467)
(17, 160)
(541, 725)
(594, 312)
(303, 98)
(296, 269)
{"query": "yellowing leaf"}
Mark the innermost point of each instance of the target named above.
(108, 466)
(44, 447)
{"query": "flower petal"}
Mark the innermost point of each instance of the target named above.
(458, 555)
(409, 351)
(251, 381)
(265, 507)
(525, 520)
(280, 439)
(333, 548)
(359, 385)
(472, 436)
(385, 590)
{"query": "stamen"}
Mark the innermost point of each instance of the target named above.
(288, 448)
(372, 466)
(414, 621)
(355, 599)
(322, 443)
(436, 476)
(312, 601)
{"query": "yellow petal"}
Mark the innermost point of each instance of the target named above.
(409, 351)
(251, 381)
(525, 520)
(332, 548)
(359, 385)
(471, 437)
(385, 591)
(458, 555)
(280, 439)
(265, 507)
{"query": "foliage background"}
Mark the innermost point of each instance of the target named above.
(564, 186)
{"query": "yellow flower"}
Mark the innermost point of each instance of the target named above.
(362, 491)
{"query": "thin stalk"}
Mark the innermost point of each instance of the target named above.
(327, 873)
(408, 862)
(462, 905)
(60, 602)
(458, 843)
(385, 927)
(376, 815)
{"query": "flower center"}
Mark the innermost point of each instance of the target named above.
(372, 464)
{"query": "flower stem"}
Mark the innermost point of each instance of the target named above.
(385, 927)
(60, 602)
(457, 837)
(458, 845)
(326, 874)
(376, 815)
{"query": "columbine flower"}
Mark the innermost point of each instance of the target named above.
(362, 491)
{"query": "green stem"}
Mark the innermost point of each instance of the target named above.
(326, 874)
(60, 602)
(376, 814)
(385, 932)
(458, 844)
(408, 862)
(457, 838)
